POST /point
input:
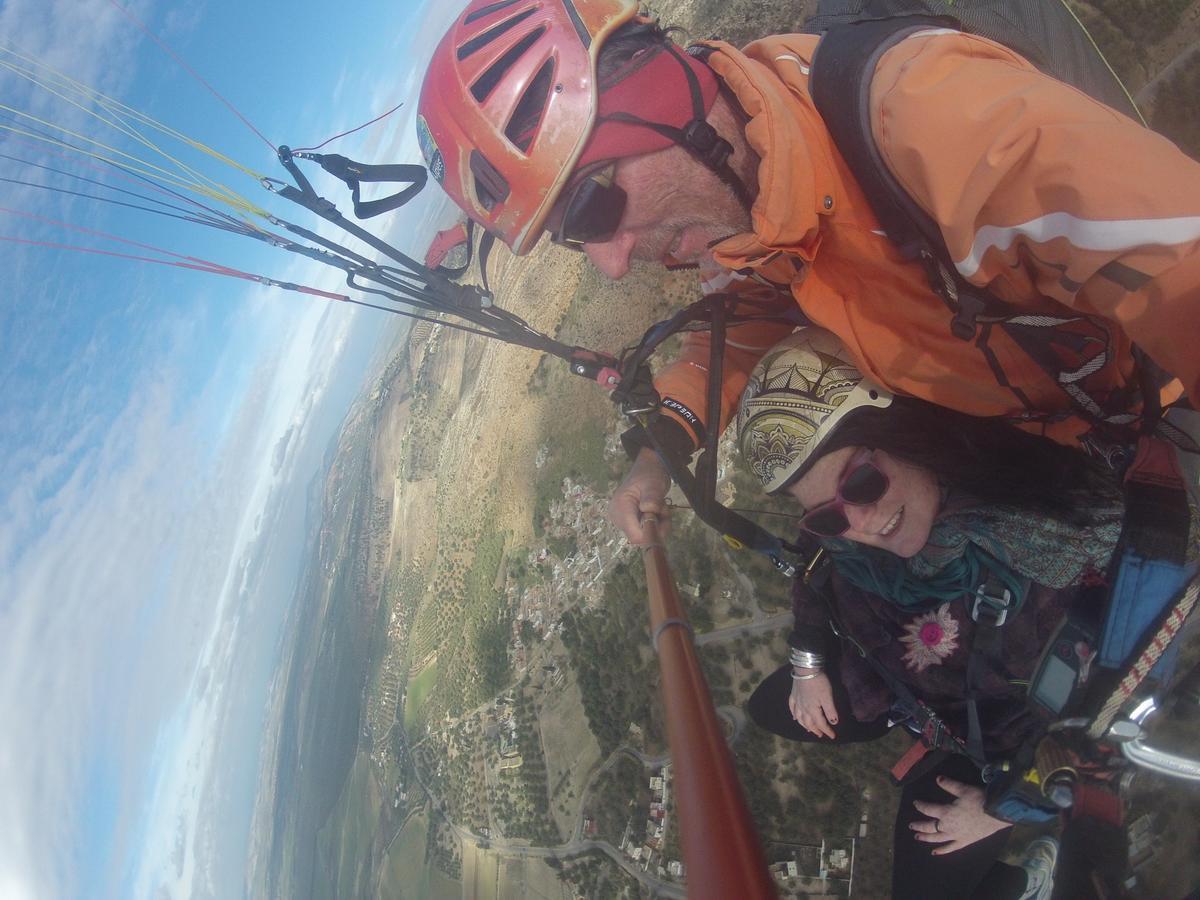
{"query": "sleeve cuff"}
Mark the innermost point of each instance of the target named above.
(811, 638)
(671, 436)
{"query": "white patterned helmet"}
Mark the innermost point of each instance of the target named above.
(798, 393)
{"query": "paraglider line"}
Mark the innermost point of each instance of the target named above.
(175, 56)
(344, 133)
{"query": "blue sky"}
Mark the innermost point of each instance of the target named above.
(159, 429)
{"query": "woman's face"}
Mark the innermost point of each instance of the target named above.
(900, 521)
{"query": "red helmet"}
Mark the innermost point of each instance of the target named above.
(508, 104)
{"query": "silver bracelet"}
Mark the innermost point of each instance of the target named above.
(806, 659)
(810, 675)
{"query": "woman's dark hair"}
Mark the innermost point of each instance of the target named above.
(986, 458)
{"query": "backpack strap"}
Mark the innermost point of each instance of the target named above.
(989, 609)
(840, 82)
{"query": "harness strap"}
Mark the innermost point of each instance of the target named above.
(354, 173)
(1157, 517)
(736, 528)
(697, 137)
(1154, 647)
(1064, 348)
(905, 764)
(706, 465)
(989, 609)
(935, 734)
(486, 241)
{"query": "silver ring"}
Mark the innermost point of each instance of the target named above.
(937, 825)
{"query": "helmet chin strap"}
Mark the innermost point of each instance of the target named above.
(697, 137)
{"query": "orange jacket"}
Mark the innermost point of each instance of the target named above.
(1053, 201)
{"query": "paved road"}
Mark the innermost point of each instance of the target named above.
(517, 848)
(575, 847)
(754, 626)
(759, 623)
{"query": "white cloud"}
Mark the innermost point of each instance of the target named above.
(128, 534)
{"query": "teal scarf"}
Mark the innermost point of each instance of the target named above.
(968, 541)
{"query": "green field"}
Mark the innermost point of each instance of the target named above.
(419, 689)
(406, 876)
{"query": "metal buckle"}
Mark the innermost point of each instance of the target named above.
(811, 568)
(782, 565)
(997, 607)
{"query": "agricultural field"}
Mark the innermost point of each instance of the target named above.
(405, 873)
(419, 689)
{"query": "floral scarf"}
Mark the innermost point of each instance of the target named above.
(1015, 545)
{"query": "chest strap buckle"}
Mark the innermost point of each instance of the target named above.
(991, 608)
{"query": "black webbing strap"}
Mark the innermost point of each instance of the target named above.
(989, 608)
(700, 488)
(353, 173)
(304, 195)
(706, 464)
(935, 734)
(840, 83)
(697, 137)
(728, 523)
(486, 241)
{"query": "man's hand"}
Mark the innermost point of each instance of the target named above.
(811, 704)
(957, 824)
(644, 490)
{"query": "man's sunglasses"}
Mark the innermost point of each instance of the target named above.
(860, 484)
(589, 210)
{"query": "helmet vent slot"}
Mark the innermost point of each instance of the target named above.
(482, 40)
(492, 75)
(522, 127)
(580, 29)
(488, 10)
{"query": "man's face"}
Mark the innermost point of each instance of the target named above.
(675, 207)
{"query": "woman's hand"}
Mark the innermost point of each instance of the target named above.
(957, 824)
(811, 703)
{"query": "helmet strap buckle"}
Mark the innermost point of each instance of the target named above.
(703, 141)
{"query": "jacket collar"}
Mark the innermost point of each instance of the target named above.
(795, 172)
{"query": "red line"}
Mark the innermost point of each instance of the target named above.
(95, 250)
(146, 31)
(92, 231)
(195, 264)
(351, 131)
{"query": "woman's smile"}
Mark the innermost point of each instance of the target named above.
(910, 502)
(893, 523)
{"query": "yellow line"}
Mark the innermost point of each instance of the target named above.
(116, 113)
(1103, 59)
(195, 177)
(139, 166)
(111, 102)
(122, 126)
